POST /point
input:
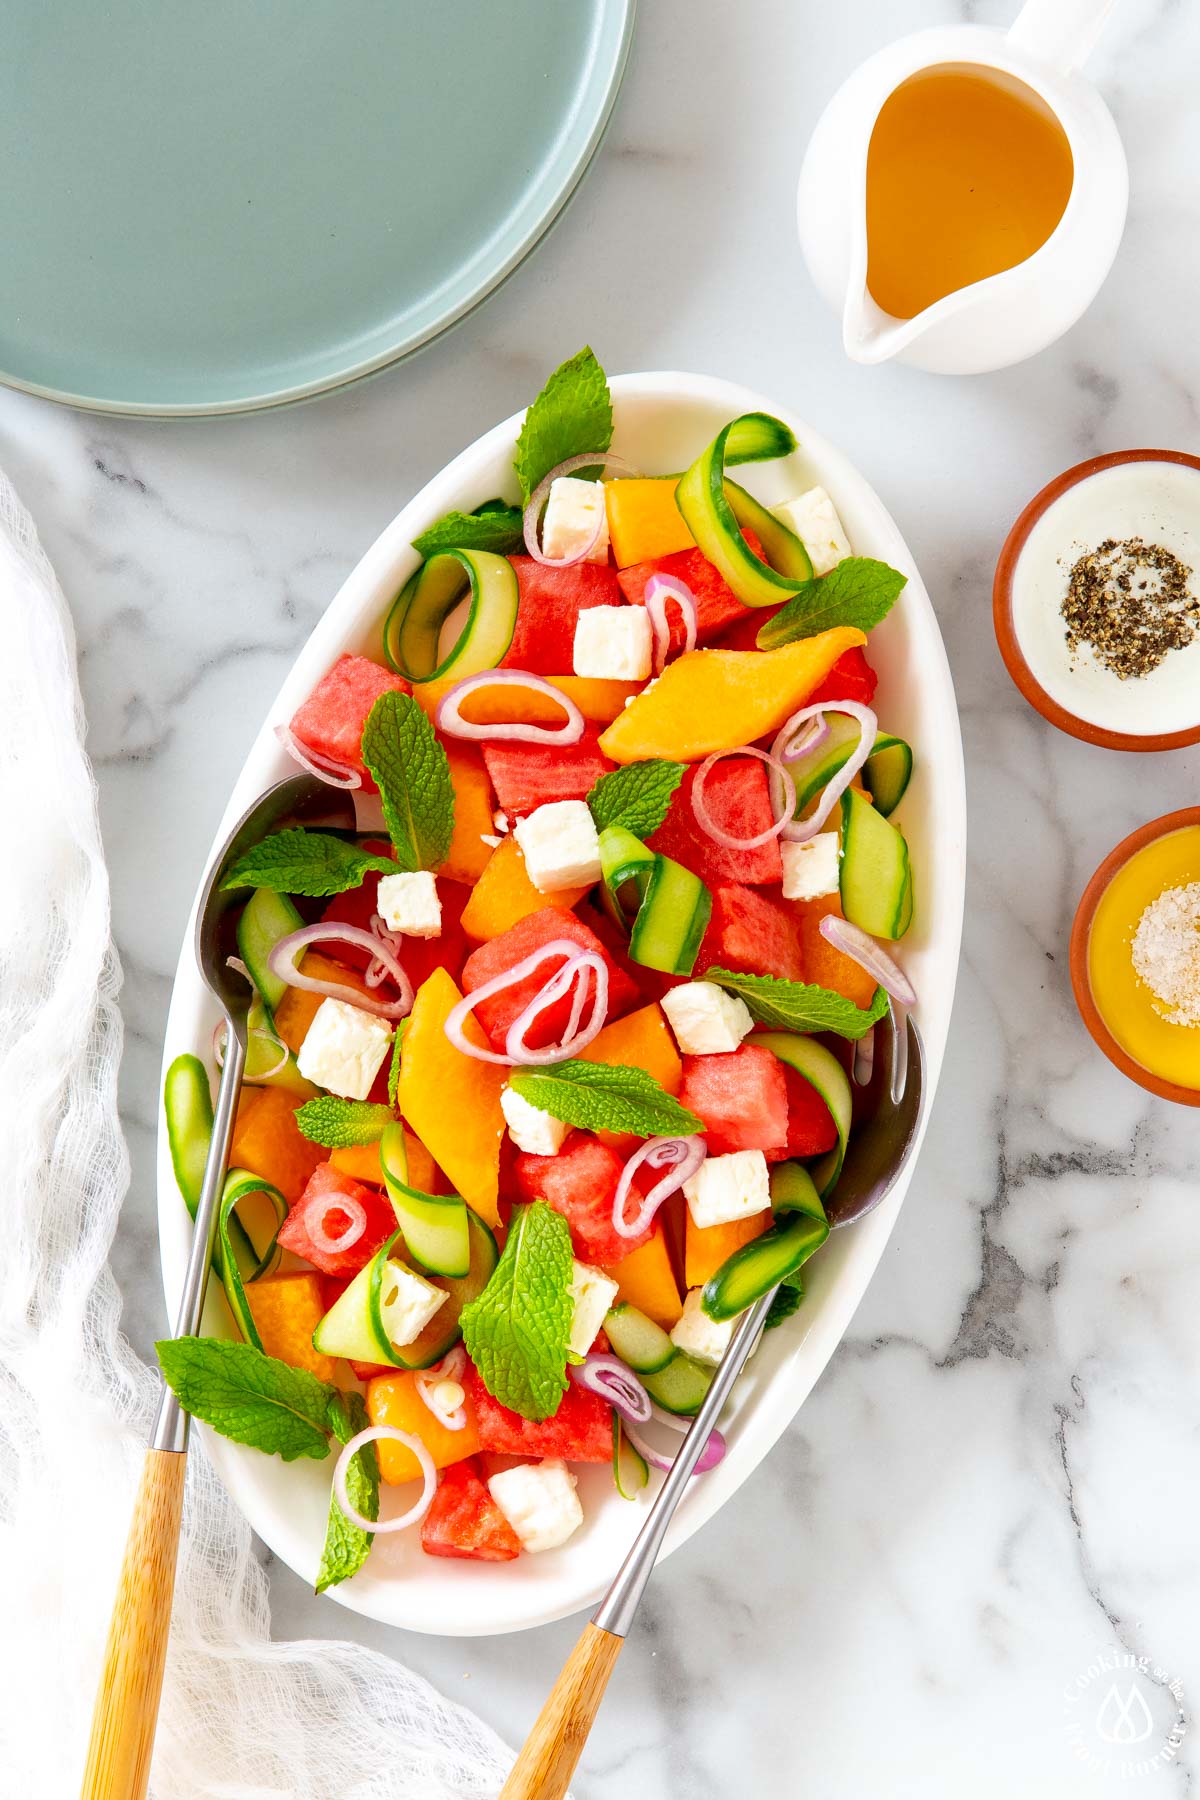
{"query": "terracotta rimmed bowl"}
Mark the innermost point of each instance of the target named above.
(1081, 930)
(1002, 610)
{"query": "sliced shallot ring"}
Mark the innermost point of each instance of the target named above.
(281, 960)
(533, 512)
(451, 1368)
(319, 1209)
(606, 1375)
(862, 948)
(798, 831)
(449, 719)
(333, 774)
(577, 1036)
(864, 1059)
(782, 791)
(391, 940)
(255, 1031)
(458, 1015)
(657, 591)
(680, 1156)
(385, 1434)
(712, 1453)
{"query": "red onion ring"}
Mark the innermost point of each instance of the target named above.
(449, 719)
(615, 1382)
(390, 1434)
(657, 591)
(281, 960)
(798, 831)
(861, 948)
(319, 1209)
(533, 512)
(810, 738)
(680, 1156)
(782, 791)
(864, 1059)
(391, 940)
(451, 1368)
(576, 1037)
(255, 1031)
(712, 1453)
(333, 774)
(458, 1015)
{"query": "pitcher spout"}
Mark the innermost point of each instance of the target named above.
(869, 335)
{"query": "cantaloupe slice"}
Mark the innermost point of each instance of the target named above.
(268, 1141)
(298, 1008)
(472, 813)
(644, 521)
(362, 1162)
(646, 1279)
(394, 1400)
(641, 1040)
(824, 965)
(706, 1247)
(452, 1101)
(504, 894)
(596, 699)
(286, 1310)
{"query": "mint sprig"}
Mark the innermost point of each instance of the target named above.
(605, 1097)
(494, 527)
(347, 1545)
(412, 773)
(338, 1124)
(314, 863)
(636, 797)
(800, 1005)
(572, 414)
(858, 591)
(516, 1332)
(248, 1396)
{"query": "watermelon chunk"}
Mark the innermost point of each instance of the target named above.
(851, 678)
(751, 933)
(811, 1130)
(529, 775)
(331, 1186)
(737, 798)
(717, 606)
(464, 1520)
(331, 720)
(580, 1431)
(742, 1097)
(580, 1182)
(511, 947)
(419, 956)
(549, 603)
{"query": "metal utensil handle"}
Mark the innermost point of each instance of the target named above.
(171, 1422)
(616, 1611)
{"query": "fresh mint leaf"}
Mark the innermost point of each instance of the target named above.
(249, 1396)
(340, 1123)
(605, 1097)
(858, 591)
(516, 1332)
(315, 863)
(496, 527)
(572, 414)
(799, 1005)
(788, 1298)
(636, 797)
(347, 1545)
(401, 749)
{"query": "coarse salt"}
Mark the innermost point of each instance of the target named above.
(1166, 953)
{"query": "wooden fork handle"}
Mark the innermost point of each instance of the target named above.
(547, 1760)
(118, 1763)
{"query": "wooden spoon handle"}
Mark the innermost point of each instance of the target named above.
(118, 1763)
(547, 1760)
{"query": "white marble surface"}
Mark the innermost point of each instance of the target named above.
(998, 1475)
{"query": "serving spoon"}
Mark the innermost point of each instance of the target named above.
(126, 1713)
(878, 1154)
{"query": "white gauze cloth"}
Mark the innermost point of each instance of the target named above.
(242, 1718)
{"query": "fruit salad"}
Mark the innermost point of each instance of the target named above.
(552, 1059)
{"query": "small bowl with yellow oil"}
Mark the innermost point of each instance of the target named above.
(1135, 956)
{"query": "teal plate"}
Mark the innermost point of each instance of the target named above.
(215, 207)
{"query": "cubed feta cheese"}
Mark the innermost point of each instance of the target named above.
(728, 1187)
(344, 1048)
(561, 846)
(705, 1019)
(407, 1302)
(531, 1129)
(410, 903)
(570, 519)
(813, 518)
(614, 643)
(593, 1293)
(539, 1501)
(697, 1334)
(810, 870)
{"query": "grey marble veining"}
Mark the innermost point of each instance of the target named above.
(996, 1480)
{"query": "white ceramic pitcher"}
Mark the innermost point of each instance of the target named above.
(1010, 316)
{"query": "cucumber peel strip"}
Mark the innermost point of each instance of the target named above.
(718, 511)
(239, 1185)
(621, 1443)
(435, 1226)
(674, 906)
(822, 1070)
(430, 595)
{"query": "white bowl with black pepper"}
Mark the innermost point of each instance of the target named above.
(1096, 600)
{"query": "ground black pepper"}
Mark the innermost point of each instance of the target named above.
(1130, 603)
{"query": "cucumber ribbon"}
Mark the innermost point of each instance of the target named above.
(718, 512)
(412, 630)
(672, 905)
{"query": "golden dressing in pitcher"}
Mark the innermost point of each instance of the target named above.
(968, 173)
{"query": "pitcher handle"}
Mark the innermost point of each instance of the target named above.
(1062, 33)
